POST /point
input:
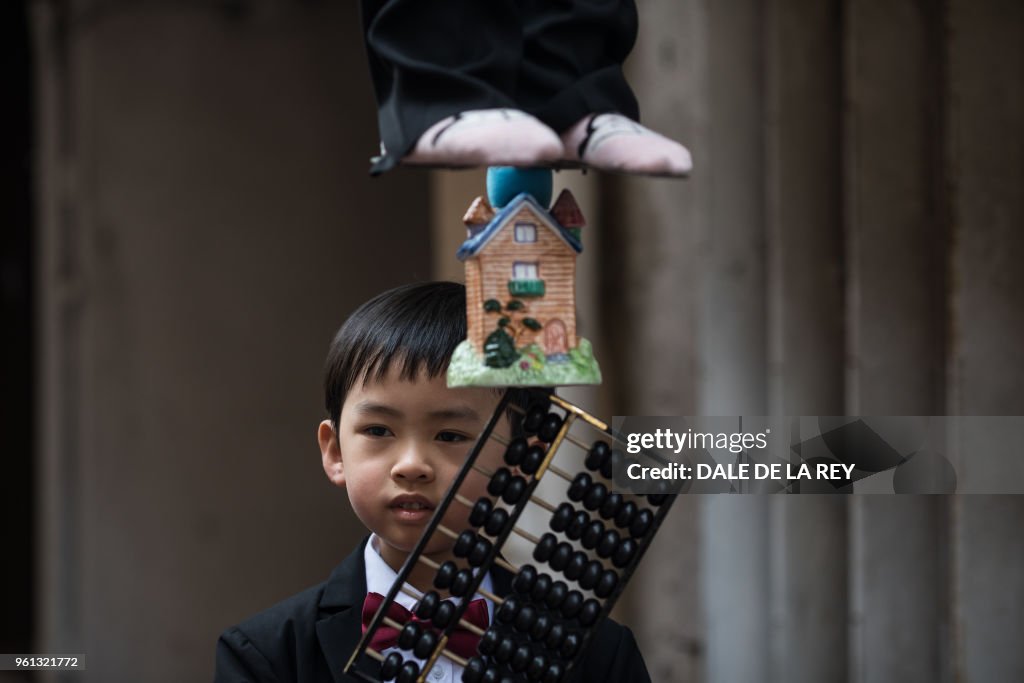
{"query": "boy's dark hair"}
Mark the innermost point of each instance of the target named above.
(416, 326)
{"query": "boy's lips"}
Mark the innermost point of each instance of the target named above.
(411, 507)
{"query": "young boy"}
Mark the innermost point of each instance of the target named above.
(394, 439)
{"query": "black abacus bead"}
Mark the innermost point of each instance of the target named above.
(590, 612)
(610, 463)
(516, 450)
(428, 605)
(611, 506)
(535, 669)
(532, 460)
(426, 644)
(592, 535)
(525, 579)
(572, 604)
(578, 487)
(657, 499)
(488, 641)
(598, 453)
(608, 543)
(478, 555)
(555, 636)
(504, 651)
(541, 587)
(460, 584)
(543, 550)
(392, 663)
(595, 497)
(474, 671)
(556, 595)
(549, 427)
(481, 508)
(497, 521)
(499, 480)
(577, 525)
(534, 417)
(445, 573)
(520, 658)
(508, 609)
(554, 673)
(492, 676)
(577, 563)
(464, 543)
(409, 672)
(641, 524)
(409, 634)
(591, 574)
(444, 614)
(524, 620)
(624, 553)
(541, 625)
(625, 515)
(561, 517)
(560, 558)
(570, 645)
(514, 491)
(606, 584)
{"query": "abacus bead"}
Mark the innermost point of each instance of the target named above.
(611, 505)
(488, 641)
(561, 556)
(428, 605)
(499, 480)
(591, 610)
(445, 573)
(508, 609)
(541, 587)
(491, 676)
(591, 574)
(481, 549)
(579, 486)
(444, 614)
(524, 620)
(570, 645)
(535, 669)
(520, 658)
(496, 522)
(595, 497)
(408, 636)
(504, 650)
(464, 543)
(592, 535)
(609, 579)
(608, 543)
(514, 491)
(543, 551)
(408, 673)
(624, 553)
(541, 625)
(534, 417)
(515, 451)
(555, 636)
(481, 508)
(656, 499)
(554, 674)
(641, 523)
(460, 584)
(609, 464)
(426, 644)
(556, 595)
(392, 663)
(549, 427)
(625, 516)
(578, 524)
(474, 671)
(524, 580)
(572, 604)
(532, 460)
(561, 517)
(598, 453)
(577, 563)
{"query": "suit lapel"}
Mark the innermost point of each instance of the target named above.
(342, 604)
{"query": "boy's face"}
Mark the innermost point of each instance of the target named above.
(399, 445)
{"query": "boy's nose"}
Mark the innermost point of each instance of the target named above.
(412, 464)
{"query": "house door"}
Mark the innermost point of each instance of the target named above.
(555, 339)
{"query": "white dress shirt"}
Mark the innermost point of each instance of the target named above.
(379, 579)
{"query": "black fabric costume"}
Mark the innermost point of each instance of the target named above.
(309, 637)
(558, 60)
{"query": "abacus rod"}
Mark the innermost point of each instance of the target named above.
(553, 447)
(473, 628)
(374, 654)
(587, 417)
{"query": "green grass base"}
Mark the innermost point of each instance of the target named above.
(467, 368)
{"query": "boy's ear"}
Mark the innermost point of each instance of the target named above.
(330, 453)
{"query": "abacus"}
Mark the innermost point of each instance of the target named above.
(542, 627)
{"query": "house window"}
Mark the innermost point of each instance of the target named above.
(526, 232)
(524, 270)
(525, 280)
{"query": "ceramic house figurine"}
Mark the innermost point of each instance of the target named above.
(520, 260)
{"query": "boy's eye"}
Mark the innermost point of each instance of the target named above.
(451, 437)
(377, 430)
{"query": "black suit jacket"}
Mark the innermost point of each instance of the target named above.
(309, 637)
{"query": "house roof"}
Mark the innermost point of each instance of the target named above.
(474, 244)
(567, 212)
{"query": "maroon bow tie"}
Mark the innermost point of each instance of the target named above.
(461, 641)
